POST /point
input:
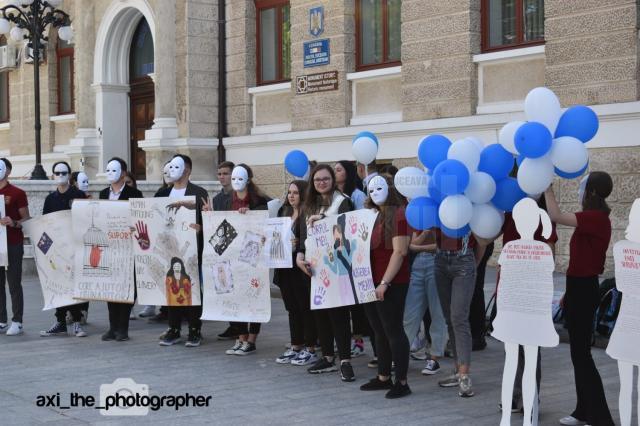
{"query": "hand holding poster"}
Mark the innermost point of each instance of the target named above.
(103, 251)
(338, 249)
(278, 244)
(166, 251)
(4, 253)
(236, 279)
(53, 254)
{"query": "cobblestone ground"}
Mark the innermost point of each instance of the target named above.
(248, 390)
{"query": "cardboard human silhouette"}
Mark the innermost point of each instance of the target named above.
(525, 294)
(624, 344)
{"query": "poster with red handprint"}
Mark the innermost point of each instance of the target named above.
(337, 247)
(236, 280)
(165, 250)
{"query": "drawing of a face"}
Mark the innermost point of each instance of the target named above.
(177, 268)
(239, 179)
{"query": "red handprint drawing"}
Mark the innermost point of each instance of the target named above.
(353, 222)
(143, 235)
(255, 283)
(325, 278)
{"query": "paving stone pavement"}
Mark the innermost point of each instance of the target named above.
(252, 389)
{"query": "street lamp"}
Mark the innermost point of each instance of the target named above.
(31, 19)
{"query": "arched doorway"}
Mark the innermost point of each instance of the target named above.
(141, 94)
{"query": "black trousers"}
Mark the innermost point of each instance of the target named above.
(119, 316)
(581, 302)
(13, 275)
(244, 328)
(295, 288)
(477, 310)
(333, 323)
(75, 311)
(517, 385)
(191, 313)
(386, 318)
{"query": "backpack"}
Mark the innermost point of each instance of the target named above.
(608, 309)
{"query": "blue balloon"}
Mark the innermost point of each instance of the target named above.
(365, 135)
(433, 150)
(496, 161)
(422, 213)
(455, 233)
(435, 194)
(451, 177)
(508, 193)
(533, 139)
(580, 122)
(572, 175)
(297, 163)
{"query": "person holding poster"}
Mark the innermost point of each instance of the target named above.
(587, 254)
(224, 177)
(59, 200)
(118, 190)
(16, 212)
(245, 196)
(295, 287)
(624, 344)
(177, 281)
(323, 198)
(390, 239)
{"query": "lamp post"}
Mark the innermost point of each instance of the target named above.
(31, 19)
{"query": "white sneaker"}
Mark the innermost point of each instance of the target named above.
(15, 329)
(305, 358)
(234, 348)
(78, 331)
(571, 421)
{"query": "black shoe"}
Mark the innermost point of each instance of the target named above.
(479, 344)
(373, 363)
(377, 384)
(229, 334)
(161, 316)
(398, 391)
(121, 336)
(109, 335)
(346, 372)
(194, 338)
(322, 366)
(515, 407)
(171, 337)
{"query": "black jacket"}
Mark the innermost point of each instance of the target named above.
(260, 203)
(221, 200)
(57, 201)
(127, 192)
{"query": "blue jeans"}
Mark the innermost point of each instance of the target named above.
(423, 294)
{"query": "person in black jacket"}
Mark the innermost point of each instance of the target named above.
(118, 191)
(179, 173)
(58, 200)
(224, 177)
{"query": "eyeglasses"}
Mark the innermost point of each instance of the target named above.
(60, 173)
(322, 180)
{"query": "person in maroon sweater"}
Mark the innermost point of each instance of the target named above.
(587, 254)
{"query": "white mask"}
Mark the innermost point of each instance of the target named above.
(83, 182)
(114, 171)
(582, 188)
(378, 190)
(61, 179)
(3, 170)
(166, 174)
(176, 169)
(239, 179)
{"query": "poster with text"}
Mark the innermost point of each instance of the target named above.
(103, 249)
(4, 253)
(52, 242)
(236, 283)
(165, 251)
(278, 245)
(337, 247)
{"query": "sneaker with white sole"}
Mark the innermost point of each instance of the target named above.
(171, 337)
(147, 312)
(78, 331)
(373, 363)
(3, 327)
(571, 421)
(247, 348)
(287, 356)
(305, 357)
(431, 368)
(322, 366)
(234, 348)
(465, 388)
(450, 381)
(57, 329)
(357, 348)
(15, 329)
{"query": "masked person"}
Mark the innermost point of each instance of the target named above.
(59, 200)
(16, 211)
(180, 168)
(118, 190)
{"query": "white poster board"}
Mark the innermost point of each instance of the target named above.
(338, 249)
(102, 241)
(4, 252)
(235, 278)
(278, 246)
(166, 251)
(52, 242)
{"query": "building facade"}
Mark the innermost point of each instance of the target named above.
(144, 82)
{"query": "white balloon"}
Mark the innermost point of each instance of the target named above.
(486, 220)
(543, 106)
(477, 141)
(412, 182)
(455, 211)
(467, 152)
(481, 188)
(364, 150)
(569, 154)
(17, 34)
(507, 134)
(5, 26)
(535, 175)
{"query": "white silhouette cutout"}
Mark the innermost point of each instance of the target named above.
(525, 295)
(624, 345)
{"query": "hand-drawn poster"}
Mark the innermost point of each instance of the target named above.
(278, 246)
(4, 253)
(337, 248)
(53, 253)
(166, 251)
(103, 247)
(236, 283)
